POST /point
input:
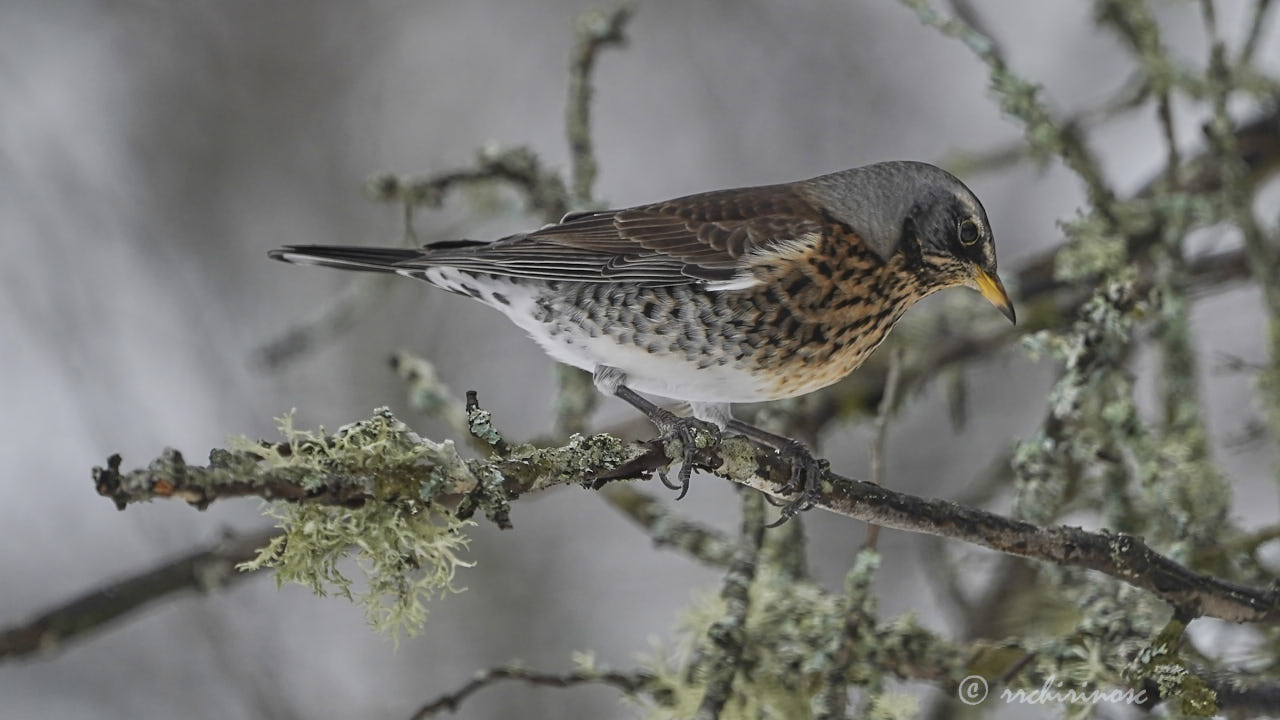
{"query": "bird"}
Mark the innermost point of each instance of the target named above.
(747, 294)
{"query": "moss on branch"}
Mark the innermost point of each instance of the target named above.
(380, 460)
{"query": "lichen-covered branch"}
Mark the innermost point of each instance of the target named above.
(1019, 99)
(727, 635)
(705, 544)
(858, 604)
(382, 460)
(202, 570)
(378, 459)
(1260, 252)
(594, 31)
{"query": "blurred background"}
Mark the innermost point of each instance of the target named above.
(151, 153)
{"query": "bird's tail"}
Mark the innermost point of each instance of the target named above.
(347, 257)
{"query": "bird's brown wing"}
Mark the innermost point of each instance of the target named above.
(705, 238)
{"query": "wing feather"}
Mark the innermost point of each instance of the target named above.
(707, 238)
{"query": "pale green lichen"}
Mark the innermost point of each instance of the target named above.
(406, 556)
(1092, 249)
(791, 630)
(480, 424)
(892, 706)
(578, 460)
(384, 452)
(406, 549)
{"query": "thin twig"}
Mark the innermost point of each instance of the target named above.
(880, 436)
(1260, 8)
(213, 568)
(1129, 96)
(628, 683)
(333, 319)
(705, 544)
(1264, 261)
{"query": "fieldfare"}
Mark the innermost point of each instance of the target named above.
(738, 295)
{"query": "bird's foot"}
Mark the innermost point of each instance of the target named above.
(694, 435)
(806, 479)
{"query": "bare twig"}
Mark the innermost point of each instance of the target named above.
(518, 167)
(629, 683)
(1260, 9)
(202, 571)
(338, 315)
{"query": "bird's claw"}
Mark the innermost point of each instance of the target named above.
(686, 430)
(806, 479)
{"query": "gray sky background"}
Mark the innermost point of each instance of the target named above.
(151, 153)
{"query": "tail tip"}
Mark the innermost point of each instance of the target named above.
(289, 254)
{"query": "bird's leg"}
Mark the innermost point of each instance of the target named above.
(612, 381)
(806, 470)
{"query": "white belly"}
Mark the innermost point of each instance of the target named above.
(666, 375)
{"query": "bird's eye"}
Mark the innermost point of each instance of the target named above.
(968, 232)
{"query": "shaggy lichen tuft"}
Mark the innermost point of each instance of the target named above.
(404, 547)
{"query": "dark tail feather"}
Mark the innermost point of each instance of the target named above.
(347, 257)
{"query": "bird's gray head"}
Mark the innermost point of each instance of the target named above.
(923, 212)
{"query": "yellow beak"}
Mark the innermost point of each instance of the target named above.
(993, 290)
